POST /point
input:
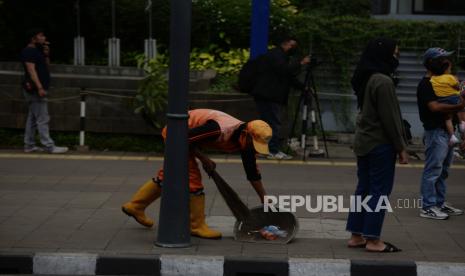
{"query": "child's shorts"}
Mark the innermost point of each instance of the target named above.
(450, 99)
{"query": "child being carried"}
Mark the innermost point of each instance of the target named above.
(448, 90)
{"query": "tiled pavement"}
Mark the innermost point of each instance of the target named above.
(67, 205)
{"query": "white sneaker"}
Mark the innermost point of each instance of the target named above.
(451, 211)
(56, 150)
(462, 127)
(453, 140)
(279, 156)
(458, 154)
(33, 149)
(433, 213)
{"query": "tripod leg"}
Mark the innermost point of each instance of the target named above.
(321, 122)
(317, 104)
(316, 152)
(304, 126)
(294, 122)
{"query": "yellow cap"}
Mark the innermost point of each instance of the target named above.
(261, 134)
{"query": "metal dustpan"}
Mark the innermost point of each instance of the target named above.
(249, 222)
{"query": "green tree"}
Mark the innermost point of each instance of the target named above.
(152, 93)
(335, 7)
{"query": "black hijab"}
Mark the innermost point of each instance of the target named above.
(378, 57)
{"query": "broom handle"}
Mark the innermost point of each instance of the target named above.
(232, 199)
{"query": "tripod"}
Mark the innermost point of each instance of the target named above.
(308, 94)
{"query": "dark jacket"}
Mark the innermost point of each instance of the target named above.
(276, 75)
(380, 120)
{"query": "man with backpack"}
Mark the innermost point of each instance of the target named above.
(276, 74)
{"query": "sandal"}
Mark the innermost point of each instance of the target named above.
(389, 248)
(361, 245)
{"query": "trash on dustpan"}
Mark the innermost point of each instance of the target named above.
(248, 230)
(272, 232)
(249, 220)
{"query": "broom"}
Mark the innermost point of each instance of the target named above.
(235, 204)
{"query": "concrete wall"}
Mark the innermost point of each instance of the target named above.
(108, 114)
(104, 114)
(115, 115)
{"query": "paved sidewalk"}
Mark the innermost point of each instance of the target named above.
(71, 204)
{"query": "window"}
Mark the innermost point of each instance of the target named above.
(446, 7)
(381, 6)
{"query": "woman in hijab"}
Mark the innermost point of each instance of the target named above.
(379, 138)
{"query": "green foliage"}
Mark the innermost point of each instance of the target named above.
(227, 23)
(341, 38)
(336, 7)
(223, 61)
(130, 58)
(152, 93)
(122, 142)
(338, 40)
(13, 138)
(223, 83)
(226, 63)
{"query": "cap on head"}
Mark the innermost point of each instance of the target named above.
(261, 134)
(436, 52)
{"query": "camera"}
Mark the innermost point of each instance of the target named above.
(314, 62)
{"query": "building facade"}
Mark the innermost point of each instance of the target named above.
(435, 10)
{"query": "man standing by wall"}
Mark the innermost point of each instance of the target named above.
(36, 61)
(277, 75)
(438, 153)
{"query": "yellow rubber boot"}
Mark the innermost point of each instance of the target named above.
(135, 208)
(198, 226)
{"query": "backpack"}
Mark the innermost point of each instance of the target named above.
(249, 73)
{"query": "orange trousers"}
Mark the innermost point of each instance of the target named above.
(195, 178)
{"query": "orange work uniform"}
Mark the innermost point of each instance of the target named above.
(215, 130)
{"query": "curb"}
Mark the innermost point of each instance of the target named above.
(382, 268)
(93, 264)
(218, 159)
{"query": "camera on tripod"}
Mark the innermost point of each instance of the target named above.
(314, 62)
(309, 103)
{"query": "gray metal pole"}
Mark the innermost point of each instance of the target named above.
(174, 222)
